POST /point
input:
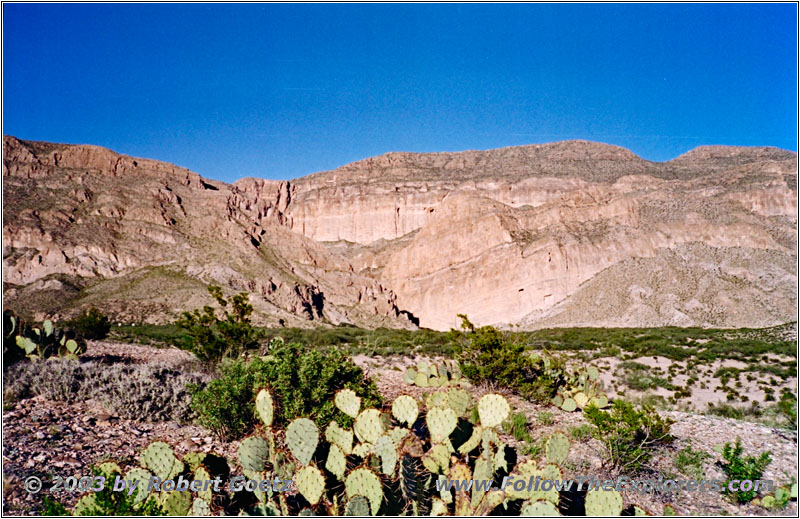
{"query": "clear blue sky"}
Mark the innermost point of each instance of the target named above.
(279, 91)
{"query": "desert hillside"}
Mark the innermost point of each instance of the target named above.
(565, 234)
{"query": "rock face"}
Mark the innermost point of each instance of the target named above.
(571, 233)
(141, 239)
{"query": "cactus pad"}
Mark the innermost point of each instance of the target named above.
(336, 462)
(302, 437)
(441, 422)
(458, 400)
(569, 405)
(201, 508)
(141, 476)
(386, 449)
(603, 503)
(254, 454)
(368, 426)
(343, 438)
(265, 406)
(437, 399)
(473, 441)
(557, 448)
(409, 375)
(363, 482)
(311, 483)
(421, 379)
(159, 459)
(592, 373)
(405, 409)
(357, 506)
(539, 509)
(86, 505)
(581, 399)
(175, 502)
(493, 410)
(348, 402)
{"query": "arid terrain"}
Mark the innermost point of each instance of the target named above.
(592, 280)
(565, 234)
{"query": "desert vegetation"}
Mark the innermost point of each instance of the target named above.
(367, 422)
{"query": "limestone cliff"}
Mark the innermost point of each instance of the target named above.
(571, 233)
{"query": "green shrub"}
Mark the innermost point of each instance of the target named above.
(545, 418)
(581, 432)
(91, 324)
(518, 427)
(303, 382)
(213, 338)
(487, 355)
(690, 462)
(630, 436)
(736, 467)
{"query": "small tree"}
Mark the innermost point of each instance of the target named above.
(91, 325)
(630, 436)
(742, 469)
(212, 338)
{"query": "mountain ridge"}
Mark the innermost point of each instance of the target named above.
(503, 235)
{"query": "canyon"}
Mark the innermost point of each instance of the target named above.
(572, 233)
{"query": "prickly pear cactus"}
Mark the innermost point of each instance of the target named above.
(254, 454)
(557, 448)
(539, 509)
(175, 503)
(357, 506)
(348, 402)
(200, 508)
(302, 437)
(405, 409)
(343, 438)
(363, 482)
(160, 460)
(603, 503)
(493, 410)
(569, 405)
(311, 483)
(336, 463)
(265, 406)
(368, 426)
(441, 423)
(459, 401)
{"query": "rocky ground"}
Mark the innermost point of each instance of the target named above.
(44, 438)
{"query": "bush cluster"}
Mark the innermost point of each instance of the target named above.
(487, 355)
(302, 381)
(91, 325)
(145, 391)
(737, 467)
(213, 338)
(630, 436)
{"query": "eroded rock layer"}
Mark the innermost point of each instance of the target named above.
(571, 233)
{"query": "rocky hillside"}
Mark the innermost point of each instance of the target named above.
(570, 233)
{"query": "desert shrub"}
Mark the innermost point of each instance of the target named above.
(545, 417)
(747, 468)
(581, 432)
(518, 427)
(303, 382)
(787, 406)
(690, 462)
(91, 324)
(145, 392)
(487, 355)
(630, 436)
(212, 338)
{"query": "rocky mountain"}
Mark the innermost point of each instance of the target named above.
(568, 233)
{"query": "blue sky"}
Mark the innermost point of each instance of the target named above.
(279, 91)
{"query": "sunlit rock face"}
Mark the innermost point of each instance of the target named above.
(570, 233)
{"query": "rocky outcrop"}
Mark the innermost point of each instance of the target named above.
(571, 233)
